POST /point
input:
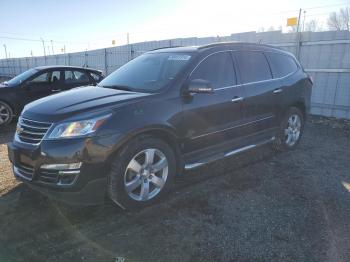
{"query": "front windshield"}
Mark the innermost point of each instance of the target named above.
(21, 77)
(148, 72)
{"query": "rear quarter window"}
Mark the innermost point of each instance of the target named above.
(97, 77)
(253, 66)
(281, 65)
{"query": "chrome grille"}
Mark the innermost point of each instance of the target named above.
(48, 176)
(30, 131)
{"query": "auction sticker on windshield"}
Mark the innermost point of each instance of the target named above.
(179, 57)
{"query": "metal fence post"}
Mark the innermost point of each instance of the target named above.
(106, 62)
(132, 52)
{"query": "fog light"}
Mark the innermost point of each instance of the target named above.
(71, 166)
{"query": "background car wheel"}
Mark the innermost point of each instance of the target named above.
(141, 173)
(291, 129)
(6, 114)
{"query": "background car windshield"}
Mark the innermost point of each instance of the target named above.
(21, 77)
(148, 72)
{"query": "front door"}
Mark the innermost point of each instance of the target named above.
(41, 85)
(210, 119)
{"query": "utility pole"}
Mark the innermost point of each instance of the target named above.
(127, 38)
(5, 50)
(298, 35)
(42, 40)
(304, 21)
(52, 47)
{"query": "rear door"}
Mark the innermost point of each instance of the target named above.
(209, 119)
(282, 66)
(74, 78)
(260, 99)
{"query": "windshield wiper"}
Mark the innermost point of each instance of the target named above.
(119, 87)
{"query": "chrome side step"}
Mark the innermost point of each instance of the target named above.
(203, 162)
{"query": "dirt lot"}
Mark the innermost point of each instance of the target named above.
(260, 206)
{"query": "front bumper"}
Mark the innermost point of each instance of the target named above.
(85, 185)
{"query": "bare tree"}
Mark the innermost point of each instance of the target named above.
(313, 26)
(339, 20)
(345, 17)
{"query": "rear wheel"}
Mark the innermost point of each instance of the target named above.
(6, 114)
(291, 129)
(142, 172)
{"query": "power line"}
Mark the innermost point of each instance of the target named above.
(38, 40)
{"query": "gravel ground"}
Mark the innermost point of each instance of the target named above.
(260, 206)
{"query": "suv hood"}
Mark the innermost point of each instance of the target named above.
(79, 100)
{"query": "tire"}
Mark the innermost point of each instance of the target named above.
(6, 114)
(291, 130)
(132, 173)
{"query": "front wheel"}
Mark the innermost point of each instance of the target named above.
(141, 173)
(6, 114)
(291, 129)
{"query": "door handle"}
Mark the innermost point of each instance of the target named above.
(237, 99)
(56, 90)
(277, 90)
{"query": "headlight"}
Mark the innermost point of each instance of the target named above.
(78, 128)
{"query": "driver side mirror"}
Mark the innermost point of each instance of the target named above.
(198, 86)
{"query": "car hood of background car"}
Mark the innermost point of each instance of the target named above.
(66, 104)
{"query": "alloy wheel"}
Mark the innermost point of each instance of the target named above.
(5, 114)
(146, 174)
(293, 130)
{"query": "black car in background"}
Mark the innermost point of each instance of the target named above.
(40, 82)
(164, 112)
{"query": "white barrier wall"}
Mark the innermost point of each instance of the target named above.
(325, 55)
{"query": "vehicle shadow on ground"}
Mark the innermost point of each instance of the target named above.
(22, 198)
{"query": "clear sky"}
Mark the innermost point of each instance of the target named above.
(87, 24)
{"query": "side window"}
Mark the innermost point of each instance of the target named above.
(42, 78)
(55, 76)
(96, 76)
(253, 66)
(75, 77)
(218, 69)
(281, 65)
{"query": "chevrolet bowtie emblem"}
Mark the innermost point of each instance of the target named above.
(19, 130)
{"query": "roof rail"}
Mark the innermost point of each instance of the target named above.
(218, 44)
(166, 47)
(233, 42)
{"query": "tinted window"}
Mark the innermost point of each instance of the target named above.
(253, 66)
(96, 76)
(281, 65)
(42, 78)
(55, 76)
(73, 77)
(148, 72)
(218, 69)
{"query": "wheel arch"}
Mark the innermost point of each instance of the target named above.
(13, 108)
(164, 133)
(299, 104)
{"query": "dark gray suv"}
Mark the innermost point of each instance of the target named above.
(164, 112)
